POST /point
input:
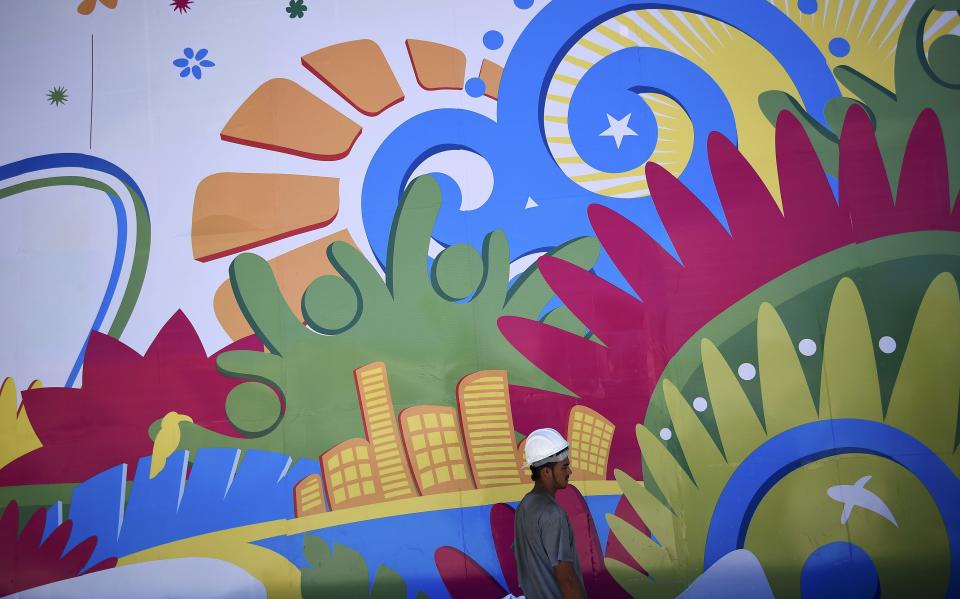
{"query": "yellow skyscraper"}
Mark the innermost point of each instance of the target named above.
(432, 439)
(350, 475)
(379, 422)
(487, 423)
(308, 497)
(590, 435)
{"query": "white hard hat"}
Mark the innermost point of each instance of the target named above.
(541, 444)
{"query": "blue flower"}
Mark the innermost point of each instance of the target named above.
(199, 62)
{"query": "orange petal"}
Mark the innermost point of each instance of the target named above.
(437, 66)
(490, 73)
(233, 212)
(282, 116)
(359, 72)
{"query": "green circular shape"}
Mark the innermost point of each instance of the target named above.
(457, 272)
(943, 58)
(330, 305)
(253, 408)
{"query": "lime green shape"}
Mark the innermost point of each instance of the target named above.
(849, 384)
(330, 305)
(457, 272)
(931, 370)
(920, 82)
(252, 407)
(427, 341)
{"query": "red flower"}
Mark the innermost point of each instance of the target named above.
(718, 268)
(26, 562)
(105, 422)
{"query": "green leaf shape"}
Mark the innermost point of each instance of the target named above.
(342, 572)
(412, 322)
(920, 82)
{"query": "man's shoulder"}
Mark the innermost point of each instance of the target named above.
(541, 504)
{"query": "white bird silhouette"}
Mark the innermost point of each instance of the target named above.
(856, 495)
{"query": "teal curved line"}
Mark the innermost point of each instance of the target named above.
(141, 252)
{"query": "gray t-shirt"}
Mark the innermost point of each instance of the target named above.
(542, 538)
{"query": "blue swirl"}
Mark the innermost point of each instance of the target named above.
(515, 143)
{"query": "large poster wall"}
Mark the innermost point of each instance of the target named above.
(286, 283)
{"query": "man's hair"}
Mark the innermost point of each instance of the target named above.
(552, 461)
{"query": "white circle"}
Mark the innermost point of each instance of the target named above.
(747, 371)
(887, 344)
(807, 347)
(666, 434)
(700, 404)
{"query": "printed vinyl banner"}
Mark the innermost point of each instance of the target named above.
(286, 284)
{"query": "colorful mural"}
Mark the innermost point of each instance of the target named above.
(352, 253)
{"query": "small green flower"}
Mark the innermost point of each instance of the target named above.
(57, 96)
(296, 9)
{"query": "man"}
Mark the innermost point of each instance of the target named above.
(543, 545)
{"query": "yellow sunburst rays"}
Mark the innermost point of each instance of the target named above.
(17, 436)
(924, 403)
(871, 28)
(723, 52)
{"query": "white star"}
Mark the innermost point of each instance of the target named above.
(618, 129)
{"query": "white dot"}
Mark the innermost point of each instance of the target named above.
(747, 371)
(666, 434)
(807, 347)
(887, 344)
(700, 404)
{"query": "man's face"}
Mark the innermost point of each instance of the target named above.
(561, 473)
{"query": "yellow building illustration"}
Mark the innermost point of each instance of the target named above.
(308, 497)
(432, 439)
(373, 391)
(487, 423)
(590, 435)
(350, 475)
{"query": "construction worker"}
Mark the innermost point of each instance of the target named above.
(543, 544)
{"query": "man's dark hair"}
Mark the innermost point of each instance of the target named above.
(535, 470)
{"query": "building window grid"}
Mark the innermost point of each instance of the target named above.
(382, 431)
(436, 450)
(590, 437)
(350, 475)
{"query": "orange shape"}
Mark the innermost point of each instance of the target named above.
(294, 270)
(86, 7)
(233, 212)
(490, 73)
(437, 66)
(359, 72)
(284, 117)
(308, 497)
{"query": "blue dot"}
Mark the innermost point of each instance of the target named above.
(807, 7)
(523, 4)
(475, 87)
(839, 47)
(492, 40)
(839, 570)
